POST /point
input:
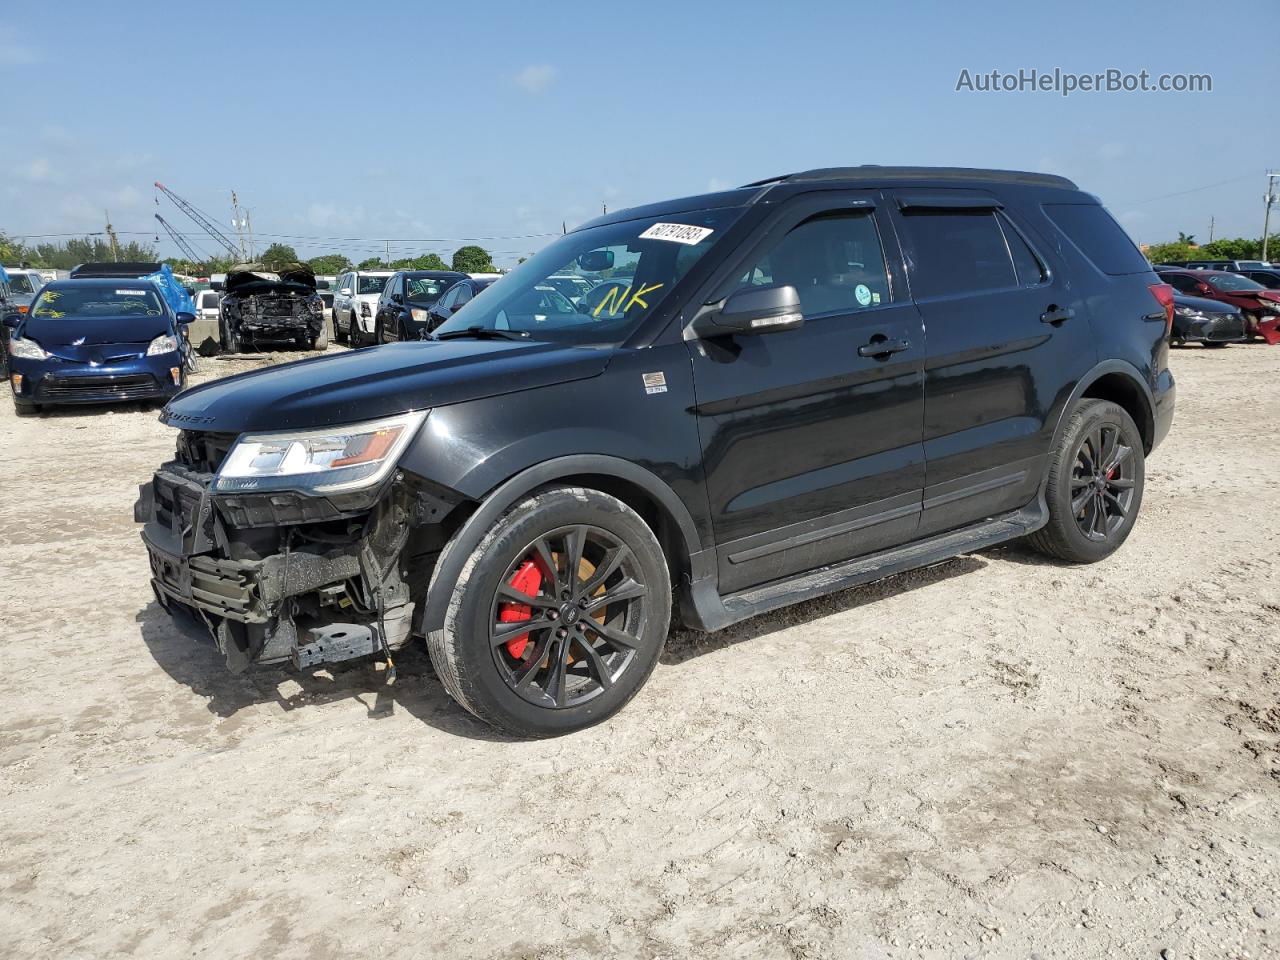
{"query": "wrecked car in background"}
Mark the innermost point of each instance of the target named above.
(273, 303)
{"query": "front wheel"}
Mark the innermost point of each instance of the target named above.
(558, 617)
(1096, 477)
(339, 335)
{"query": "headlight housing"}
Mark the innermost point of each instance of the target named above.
(26, 349)
(1190, 313)
(165, 343)
(419, 315)
(332, 460)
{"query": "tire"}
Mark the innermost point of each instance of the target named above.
(357, 333)
(231, 342)
(484, 676)
(404, 334)
(1215, 344)
(1082, 536)
(338, 335)
(321, 340)
(25, 408)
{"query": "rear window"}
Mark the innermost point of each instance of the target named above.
(1098, 237)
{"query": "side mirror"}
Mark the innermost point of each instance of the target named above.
(184, 318)
(596, 260)
(11, 320)
(751, 310)
(345, 291)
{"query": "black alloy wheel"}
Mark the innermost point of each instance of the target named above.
(574, 636)
(1102, 482)
(1094, 487)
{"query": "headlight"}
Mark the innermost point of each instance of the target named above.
(1189, 313)
(319, 461)
(1271, 305)
(419, 316)
(26, 349)
(162, 344)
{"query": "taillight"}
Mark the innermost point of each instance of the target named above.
(1164, 296)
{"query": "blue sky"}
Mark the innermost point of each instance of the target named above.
(416, 121)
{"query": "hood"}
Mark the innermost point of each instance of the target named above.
(364, 384)
(253, 275)
(93, 331)
(1203, 304)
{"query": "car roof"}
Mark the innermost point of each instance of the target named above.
(861, 176)
(434, 274)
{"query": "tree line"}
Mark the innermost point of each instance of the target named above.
(1226, 248)
(71, 253)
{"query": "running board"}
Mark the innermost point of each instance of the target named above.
(704, 609)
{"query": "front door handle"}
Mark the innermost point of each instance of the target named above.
(1057, 315)
(881, 346)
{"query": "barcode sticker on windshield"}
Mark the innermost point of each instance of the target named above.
(131, 293)
(677, 232)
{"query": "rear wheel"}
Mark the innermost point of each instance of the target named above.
(321, 340)
(1096, 478)
(339, 335)
(558, 617)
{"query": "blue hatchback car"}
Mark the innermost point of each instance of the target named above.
(97, 341)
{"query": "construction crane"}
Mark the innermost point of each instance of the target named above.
(203, 221)
(181, 241)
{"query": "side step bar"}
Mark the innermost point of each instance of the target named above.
(705, 609)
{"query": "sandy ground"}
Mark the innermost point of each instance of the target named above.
(995, 757)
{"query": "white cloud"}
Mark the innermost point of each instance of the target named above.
(124, 197)
(37, 170)
(16, 52)
(536, 78)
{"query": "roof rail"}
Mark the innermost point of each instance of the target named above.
(870, 171)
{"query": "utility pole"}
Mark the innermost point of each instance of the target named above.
(238, 222)
(111, 233)
(248, 225)
(1268, 200)
(1211, 229)
(387, 257)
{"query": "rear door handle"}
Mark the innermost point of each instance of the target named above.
(1056, 315)
(881, 346)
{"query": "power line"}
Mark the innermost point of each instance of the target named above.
(1183, 193)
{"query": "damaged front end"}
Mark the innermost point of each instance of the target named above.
(324, 563)
(261, 303)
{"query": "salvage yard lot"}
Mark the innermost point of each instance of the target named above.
(996, 756)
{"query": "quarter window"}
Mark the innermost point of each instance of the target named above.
(957, 252)
(834, 261)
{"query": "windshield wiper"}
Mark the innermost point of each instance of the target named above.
(479, 333)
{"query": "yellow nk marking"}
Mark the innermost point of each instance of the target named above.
(623, 304)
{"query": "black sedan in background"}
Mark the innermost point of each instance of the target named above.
(454, 299)
(1211, 322)
(406, 301)
(1269, 278)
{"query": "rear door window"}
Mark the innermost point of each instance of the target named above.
(957, 252)
(1098, 237)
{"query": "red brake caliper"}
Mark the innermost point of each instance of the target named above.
(527, 579)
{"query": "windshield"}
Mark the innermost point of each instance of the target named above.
(639, 262)
(21, 283)
(96, 301)
(371, 284)
(425, 290)
(1231, 281)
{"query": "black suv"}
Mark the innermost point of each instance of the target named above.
(404, 307)
(802, 384)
